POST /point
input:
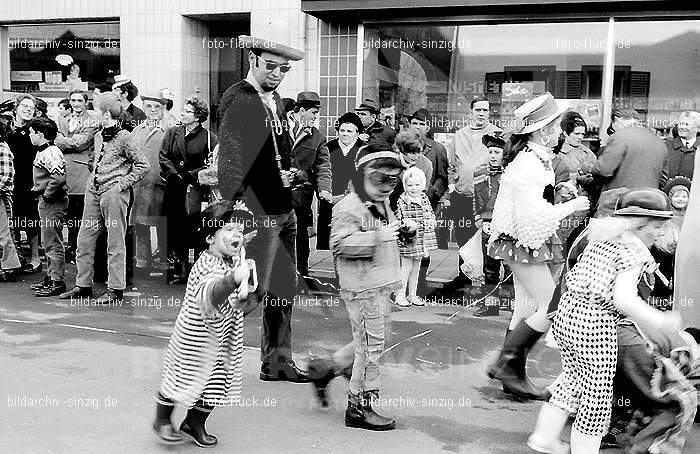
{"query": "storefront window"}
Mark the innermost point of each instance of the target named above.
(444, 67)
(659, 70)
(63, 57)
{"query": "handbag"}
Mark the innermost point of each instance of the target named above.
(209, 176)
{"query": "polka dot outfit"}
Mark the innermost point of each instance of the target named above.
(585, 330)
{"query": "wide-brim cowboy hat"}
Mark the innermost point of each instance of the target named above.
(274, 38)
(537, 113)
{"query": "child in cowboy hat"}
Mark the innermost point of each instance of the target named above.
(601, 288)
(523, 235)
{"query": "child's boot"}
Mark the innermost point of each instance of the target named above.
(162, 425)
(550, 423)
(584, 444)
(193, 426)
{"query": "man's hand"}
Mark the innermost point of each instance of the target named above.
(445, 203)
(451, 188)
(486, 227)
(325, 195)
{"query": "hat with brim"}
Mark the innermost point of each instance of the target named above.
(645, 202)
(120, 80)
(275, 38)
(421, 114)
(537, 113)
(369, 105)
(308, 99)
(154, 96)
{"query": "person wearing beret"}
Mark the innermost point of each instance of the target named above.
(342, 151)
(375, 130)
(255, 157)
(313, 175)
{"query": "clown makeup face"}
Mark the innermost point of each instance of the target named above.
(227, 241)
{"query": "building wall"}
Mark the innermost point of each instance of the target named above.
(161, 40)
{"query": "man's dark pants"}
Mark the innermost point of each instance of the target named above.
(462, 215)
(274, 252)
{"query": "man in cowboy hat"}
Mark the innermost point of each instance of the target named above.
(312, 160)
(368, 111)
(255, 157)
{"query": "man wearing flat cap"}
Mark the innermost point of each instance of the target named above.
(255, 157)
(368, 111)
(312, 160)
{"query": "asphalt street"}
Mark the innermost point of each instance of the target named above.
(81, 379)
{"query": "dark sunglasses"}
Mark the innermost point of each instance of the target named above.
(271, 66)
(379, 178)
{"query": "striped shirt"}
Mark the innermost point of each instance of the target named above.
(205, 353)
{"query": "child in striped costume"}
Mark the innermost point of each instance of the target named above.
(203, 362)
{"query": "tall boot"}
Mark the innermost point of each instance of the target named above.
(584, 444)
(162, 426)
(509, 368)
(545, 437)
(361, 415)
(193, 426)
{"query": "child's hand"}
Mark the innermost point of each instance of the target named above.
(410, 225)
(389, 232)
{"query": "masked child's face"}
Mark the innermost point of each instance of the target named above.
(679, 199)
(495, 156)
(227, 241)
(413, 187)
(380, 182)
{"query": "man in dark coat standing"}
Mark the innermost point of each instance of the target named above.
(255, 157)
(312, 160)
(681, 149)
(436, 153)
(375, 131)
(633, 158)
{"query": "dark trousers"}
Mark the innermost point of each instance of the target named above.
(422, 288)
(462, 217)
(274, 251)
(302, 241)
(76, 202)
(323, 229)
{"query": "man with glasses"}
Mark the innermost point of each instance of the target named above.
(76, 135)
(255, 157)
